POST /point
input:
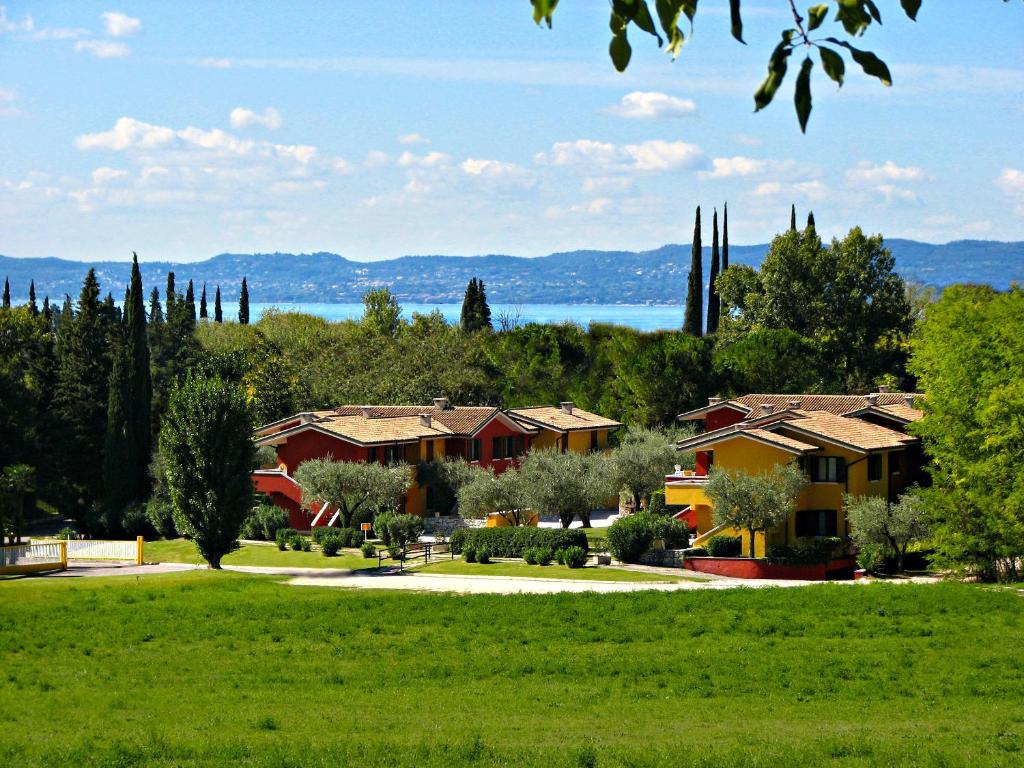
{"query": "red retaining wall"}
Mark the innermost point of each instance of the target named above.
(745, 568)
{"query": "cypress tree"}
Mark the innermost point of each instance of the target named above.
(169, 295)
(693, 316)
(202, 305)
(725, 237)
(190, 304)
(32, 306)
(127, 449)
(218, 315)
(243, 304)
(792, 218)
(156, 313)
(7, 294)
(714, 304)
(47, 312)
(483, 310)
(467, 318)
(80, 399)
(810, 220)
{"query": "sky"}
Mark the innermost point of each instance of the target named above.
(183, 130)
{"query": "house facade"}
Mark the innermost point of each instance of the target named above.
(484, 436)
(856, 444)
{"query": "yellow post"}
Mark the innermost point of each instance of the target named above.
(139, 545)
(63, 555)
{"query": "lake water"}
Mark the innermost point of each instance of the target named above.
(641, 317)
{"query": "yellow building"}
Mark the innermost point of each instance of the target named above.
(845, 443)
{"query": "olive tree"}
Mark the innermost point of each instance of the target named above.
(568, 485)
(640, 462)
(207, 452)
(489, 493)
(880, 526)
(754, 502)
(352, 486)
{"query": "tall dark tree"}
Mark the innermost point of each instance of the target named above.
(190, 302)
(693, 319)
(169, 295)
(32, 306)
(80, 399)
(156, 312)
(725, 237)
(129, 413)
(483, 309)
(810, 219)
(203, 315)
(243, 304)
(218, 314)
(792, 218)
(714, 303)
(467, 318)
(47, 312)
(7, 294)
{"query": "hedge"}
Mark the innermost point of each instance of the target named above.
(725, 546)
(512, 542)
(631, 536)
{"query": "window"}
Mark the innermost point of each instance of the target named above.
(874, 467)
(593, 441)
(506, 447)
(473, 450)
(430, 450)
(392, 454)
(372, 456)
(827, 469)
(816, 522)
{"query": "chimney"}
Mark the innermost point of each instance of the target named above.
(767, 408)
(305, 418)
(566, 406)
(794, 404)
(366, 411)
(908, 400)
(441, 403)
(871, 399)
(714, 400)
(883, 388)
(426, 420)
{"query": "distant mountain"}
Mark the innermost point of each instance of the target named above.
(578, 277)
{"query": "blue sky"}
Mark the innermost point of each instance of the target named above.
(374, 131)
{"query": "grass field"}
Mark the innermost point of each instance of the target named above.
(184, 551)
(554, 571)
(207, 668)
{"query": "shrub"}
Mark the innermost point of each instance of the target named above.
(134, 520)
(725, 546)
(560, 556)
(513, 542)
(469, 553)
(483, 556)
(346, 536)
(264, 522)
(544, 556)
(295, 542)
(283, 536)
(695, 552)
(575, 557)
(396, 551)
(402, 529)
(368, 550)
(306, 544)
(656, 505)
(631, 536)
(330, 545)
(359, 517)
(816, 551)
(67, 534)
(161, 517)
(530, 555)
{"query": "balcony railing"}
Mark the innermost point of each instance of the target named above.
(686, 477)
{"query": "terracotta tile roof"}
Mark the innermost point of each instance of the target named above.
(553, 417)
(458, 419)
(904, 412)
(853, 432)
(781, 440)
(835, 404)
(381, 430)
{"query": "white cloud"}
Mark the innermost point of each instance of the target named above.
(892, 193)
(118, 24)
(215, 63)
(243, 118)
(728, 167)
(413, 138)
(8, 25)
(8, 94)
(605, 184)
(429, 160)
(106, 175)
(102, 49)
(654, 155)
(1011, 182)
(127, 132)
(649, 105)
(871, 173)
(59, 33)
(812, 190)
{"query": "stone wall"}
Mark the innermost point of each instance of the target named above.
(665, 558)
(444, 526)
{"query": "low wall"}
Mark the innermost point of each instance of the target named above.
(746, 568)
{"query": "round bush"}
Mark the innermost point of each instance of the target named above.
(283, 537)
(330, 545)
(469, 554)
(560, 556)
(306, 545)
(483, 556)
(368, 550)
(631, 536)
(544, 556)
(575, 557)
(530, 555)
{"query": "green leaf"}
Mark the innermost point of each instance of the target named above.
(833, 64)
(873, 10)
(816, 16)
(777, 66)
(669, 12)
(802, 95)
(871, 64)
(542, 10)
(736, 19)
(911, 7)
(643, 20)
(690, 9)
(620, 51)
(853, 16)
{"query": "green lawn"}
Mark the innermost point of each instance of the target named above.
(553, 571)
(183, 551)
(207, 668)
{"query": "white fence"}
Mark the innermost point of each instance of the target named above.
(28, 558)
(104, 550)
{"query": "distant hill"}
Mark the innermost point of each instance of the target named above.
(577, 277)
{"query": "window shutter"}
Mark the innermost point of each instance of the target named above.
(841, 470)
